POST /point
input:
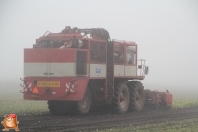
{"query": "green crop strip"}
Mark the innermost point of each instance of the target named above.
(188, 103)
(16, 104)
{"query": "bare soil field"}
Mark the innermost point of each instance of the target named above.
(99, 121)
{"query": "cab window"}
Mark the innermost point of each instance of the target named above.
(118, 54)
(131, 55)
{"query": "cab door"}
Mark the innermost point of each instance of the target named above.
(118, 60)
(131, 60)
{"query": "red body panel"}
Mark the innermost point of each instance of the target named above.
(169, 99)
(67, 55)
(49, 55)
(64, 92)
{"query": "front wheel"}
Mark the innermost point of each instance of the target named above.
(137, 96)
(121, 98)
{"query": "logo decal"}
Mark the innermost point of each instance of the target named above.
(98, 70)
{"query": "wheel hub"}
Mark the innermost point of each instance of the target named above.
(123, 99)
(84, 102)
(138, 98)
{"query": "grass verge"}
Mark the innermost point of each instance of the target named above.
(16, 104)
(189, 125)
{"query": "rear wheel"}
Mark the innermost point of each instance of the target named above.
(83, 106)
(121, 98)
(57, 107)
(137, 96)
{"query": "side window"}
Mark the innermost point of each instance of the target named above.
(131, 55)
(81, 63)
(118, 54)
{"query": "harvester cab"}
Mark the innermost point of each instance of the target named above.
(77, 70)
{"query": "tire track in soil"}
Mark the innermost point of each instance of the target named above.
(100, 121)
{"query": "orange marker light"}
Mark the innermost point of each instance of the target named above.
(35, 90)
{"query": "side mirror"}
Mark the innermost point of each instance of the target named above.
(146, 70)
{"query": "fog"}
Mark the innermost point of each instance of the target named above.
(166, 33)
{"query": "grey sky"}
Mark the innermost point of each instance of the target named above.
(166, 32)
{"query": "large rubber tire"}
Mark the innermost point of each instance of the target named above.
(57, 107)
(137, 96)
(83, 106)
(97, 106)
(121, 98)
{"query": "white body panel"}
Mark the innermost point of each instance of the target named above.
(118, 70)
(62, 69)
(97, 70)
(35, 69)
(130, 70)
(69, 69)
(57, 69)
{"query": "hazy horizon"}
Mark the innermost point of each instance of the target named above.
(166, 33)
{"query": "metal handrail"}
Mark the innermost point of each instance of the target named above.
(123, 41)
(142, 64)
(46, 33)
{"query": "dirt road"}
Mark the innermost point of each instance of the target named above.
(94, 121)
